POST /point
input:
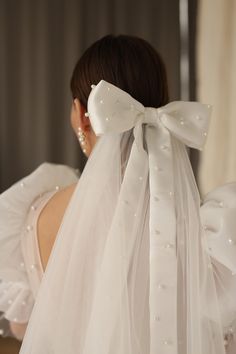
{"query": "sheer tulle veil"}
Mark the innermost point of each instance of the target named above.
(129, 273)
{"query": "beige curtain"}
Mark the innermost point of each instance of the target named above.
(217, 86)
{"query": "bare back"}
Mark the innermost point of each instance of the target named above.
(50, 220)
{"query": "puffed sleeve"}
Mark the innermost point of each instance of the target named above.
(218, 215)
(16, 295)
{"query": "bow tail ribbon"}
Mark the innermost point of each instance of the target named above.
(162, 231)
(163, 260)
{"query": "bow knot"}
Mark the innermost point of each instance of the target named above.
(114, 110)
(151, 116)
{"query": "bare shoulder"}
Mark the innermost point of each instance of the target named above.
(50, 220)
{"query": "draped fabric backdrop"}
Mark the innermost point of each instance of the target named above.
(217, 86)
(41, 41)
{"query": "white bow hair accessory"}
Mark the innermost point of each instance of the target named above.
(113, 110)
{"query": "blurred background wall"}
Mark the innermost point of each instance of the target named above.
(41, 41)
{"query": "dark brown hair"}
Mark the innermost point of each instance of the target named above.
(127, 62)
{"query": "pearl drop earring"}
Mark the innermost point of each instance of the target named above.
(82, 138)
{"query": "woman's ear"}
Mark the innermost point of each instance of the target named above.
(82, 126)
(78, 118)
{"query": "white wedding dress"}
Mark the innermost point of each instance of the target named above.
(21, 269)
(134, 239)
(20, 266)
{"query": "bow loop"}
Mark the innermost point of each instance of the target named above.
(114, 110)
(187, 121)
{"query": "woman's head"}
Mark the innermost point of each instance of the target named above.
(127, 62)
